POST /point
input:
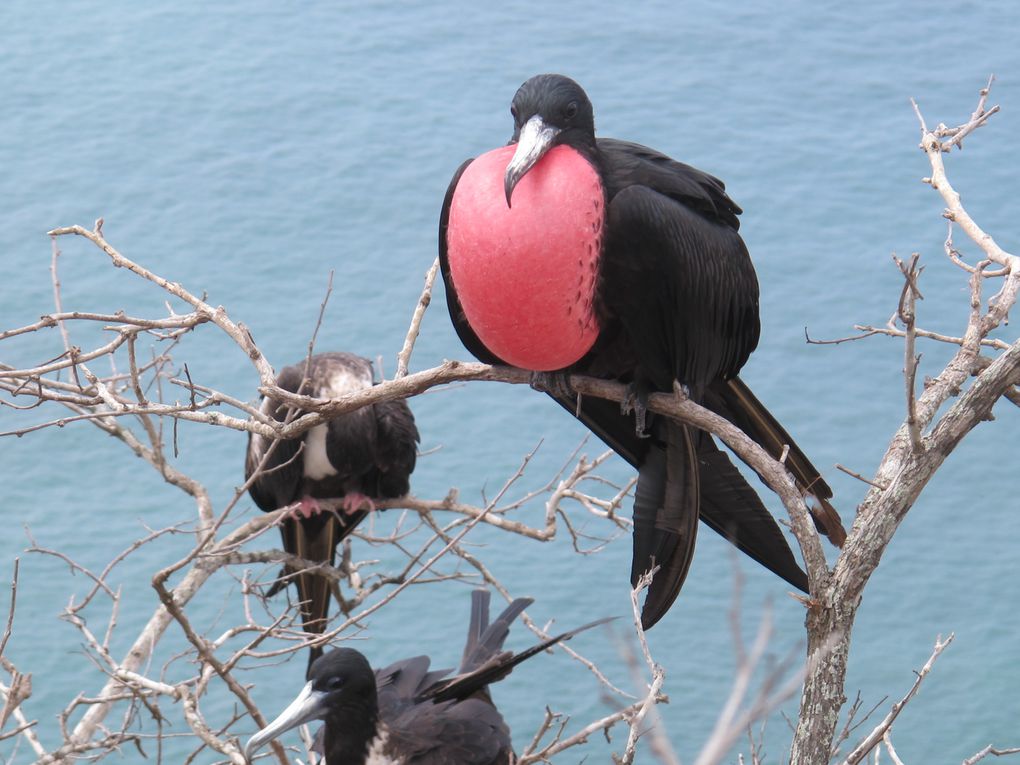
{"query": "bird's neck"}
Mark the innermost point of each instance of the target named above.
(581, 141)
(351, 737)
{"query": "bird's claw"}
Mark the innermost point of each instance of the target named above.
(307, 507)
(355, 501)
(636, 401)
(554, 383)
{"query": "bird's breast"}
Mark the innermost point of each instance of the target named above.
(526, 275)
(316, 461)
(378, 751)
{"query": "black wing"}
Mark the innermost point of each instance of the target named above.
(485, 640)
(736, 402)
(396, 450)
(470, 732)
(630, 163)
(496, 667)
(682, 287)
(453, 722)
(279, 480)
(467, 729)
(729, 506)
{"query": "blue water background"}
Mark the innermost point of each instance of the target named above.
(247, 150)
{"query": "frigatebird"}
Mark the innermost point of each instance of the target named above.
(356, 457)
(566, 253)
(405, 714)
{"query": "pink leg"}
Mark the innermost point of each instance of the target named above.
(308, 507)
(355, 501)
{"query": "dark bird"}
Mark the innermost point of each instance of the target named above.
(405, 714)
(356, 457)
(567, 253)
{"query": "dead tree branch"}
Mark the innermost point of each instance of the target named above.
(915, 453)
(881, 730)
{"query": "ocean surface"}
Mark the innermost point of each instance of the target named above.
(249, 150)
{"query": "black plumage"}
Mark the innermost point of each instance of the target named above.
(676, 299)
(357, 457)
(407, 715)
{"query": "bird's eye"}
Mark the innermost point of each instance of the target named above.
(571, 111)
(513, 112)
(334, 682)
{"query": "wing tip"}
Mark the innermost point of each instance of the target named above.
(827, 520)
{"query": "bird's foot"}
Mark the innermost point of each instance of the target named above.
(307, 507)
(554, 383)
(355, 501)
(636, 401)
(680, 391)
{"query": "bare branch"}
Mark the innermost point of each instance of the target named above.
(859, 477)
(10, 615)
(908, 297)
(905, 470)
(875, 737)
(56, 294)
(237, 332)
(990, 750)
(404, 357)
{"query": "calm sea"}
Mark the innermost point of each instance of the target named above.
(249, 149)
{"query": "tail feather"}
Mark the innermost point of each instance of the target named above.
(314, 539)
(485, 640)
(733, 400)
(665, 517)
(476, 625)
(667, 495)
(500, 663)
(729, 506)
(734, 510)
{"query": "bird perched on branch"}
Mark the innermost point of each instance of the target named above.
(355, 457)
(566, 253)
(405, 714)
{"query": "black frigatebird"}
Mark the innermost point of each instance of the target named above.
(357, 456)
(405, 714)
(563, 252)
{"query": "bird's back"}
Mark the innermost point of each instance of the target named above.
(626, 163)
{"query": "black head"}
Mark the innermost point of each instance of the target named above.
(343, 675)
(560, 102)
(340, 689)
(548, 110)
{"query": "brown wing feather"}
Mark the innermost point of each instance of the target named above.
(734, 400)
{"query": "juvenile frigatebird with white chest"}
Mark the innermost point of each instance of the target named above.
(356, 457)
(567, 253)
(405, 714)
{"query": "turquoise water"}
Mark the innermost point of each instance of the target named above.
(249, 151)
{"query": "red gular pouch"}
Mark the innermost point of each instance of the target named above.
(525, 275)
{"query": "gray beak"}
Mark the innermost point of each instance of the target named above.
(535, 139)
(309, 705)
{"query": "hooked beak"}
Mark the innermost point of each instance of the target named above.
(535, 139)
(309, 705)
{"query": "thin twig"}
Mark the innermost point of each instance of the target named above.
(56, 293)
(875, 737)
(990, 750)
(859, 477)
(10, 610)
(906, 312)
(404, 357)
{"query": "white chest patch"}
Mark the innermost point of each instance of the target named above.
(376, 755)
(316, 464)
